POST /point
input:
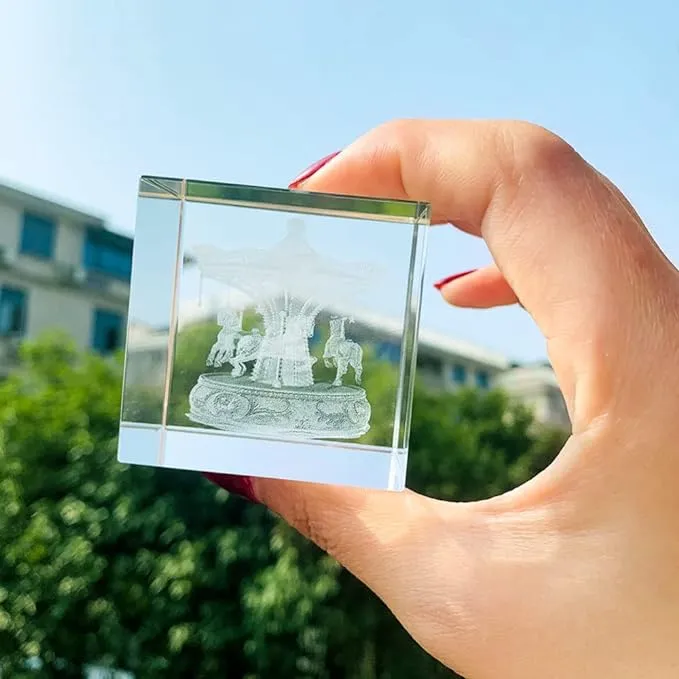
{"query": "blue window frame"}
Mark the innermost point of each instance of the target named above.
(108, 253)
(388, 351)
(107, 331)
(482, 379)
(459, 374)
(13, 311)
(37, 236)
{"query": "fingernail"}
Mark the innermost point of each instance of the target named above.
(238, 485)
(448, 279)
(311, 170)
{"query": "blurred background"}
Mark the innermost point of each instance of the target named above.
(115, 571)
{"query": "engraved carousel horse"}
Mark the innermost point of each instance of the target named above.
(247, 350)
(342, 352)
(223, 349)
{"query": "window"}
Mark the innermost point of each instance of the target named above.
(430, 364)
(388, 351)
(108, 253)
(12, 312)
(482, 379)
(107, 335)
(459, 374)
(37, 236)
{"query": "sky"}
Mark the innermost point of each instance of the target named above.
(94, 94)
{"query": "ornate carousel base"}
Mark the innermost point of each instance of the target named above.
(237, 404)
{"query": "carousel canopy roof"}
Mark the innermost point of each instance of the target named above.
(291, 266)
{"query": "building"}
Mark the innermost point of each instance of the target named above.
(446, 363)
(59, 268)
(63, 268)
(443, 362)
(536, 387)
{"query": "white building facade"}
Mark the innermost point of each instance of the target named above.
(447, 363)
(443, 363)
(59, 268)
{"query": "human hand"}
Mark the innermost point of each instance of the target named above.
(575, 573)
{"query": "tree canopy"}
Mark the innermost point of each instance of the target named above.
(162, 574)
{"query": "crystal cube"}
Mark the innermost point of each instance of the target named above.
(272, 333)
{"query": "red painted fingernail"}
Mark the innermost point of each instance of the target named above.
(311, 170)
(448, 279)
(238, 485)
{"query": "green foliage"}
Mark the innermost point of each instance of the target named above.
(192, 346)
(469, 445)
(150, 570)
(466, 445)
(162, 574)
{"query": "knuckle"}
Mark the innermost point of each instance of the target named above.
(298, 515)
(399, 133)
(396, 127)
(310, 524)
(531, 152)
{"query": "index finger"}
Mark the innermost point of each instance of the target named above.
(569, 245)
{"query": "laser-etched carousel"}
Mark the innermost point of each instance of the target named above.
(270, 389)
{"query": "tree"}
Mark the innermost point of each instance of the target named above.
(157, 572)
(149, 570)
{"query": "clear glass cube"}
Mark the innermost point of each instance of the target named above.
(272, 333)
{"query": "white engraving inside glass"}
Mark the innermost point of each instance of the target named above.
(263, 380)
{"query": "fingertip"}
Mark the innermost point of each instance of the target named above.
(476, 289)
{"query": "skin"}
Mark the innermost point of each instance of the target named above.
(576, 573)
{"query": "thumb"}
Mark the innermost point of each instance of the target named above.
(377, 535)
(451, 573)
(404, 546)
(424, 558)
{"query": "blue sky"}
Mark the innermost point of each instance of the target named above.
(93, 94)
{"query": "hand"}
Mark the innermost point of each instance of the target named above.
(576, 573)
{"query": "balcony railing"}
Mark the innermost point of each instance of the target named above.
(79, 277)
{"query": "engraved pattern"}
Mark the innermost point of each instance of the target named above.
(290, 284)
(240, 406)
(223, 349)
